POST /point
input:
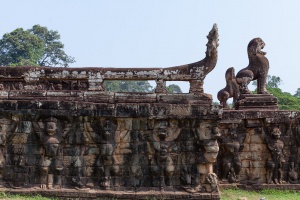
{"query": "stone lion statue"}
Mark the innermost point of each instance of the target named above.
(256, 70)
(231, 89)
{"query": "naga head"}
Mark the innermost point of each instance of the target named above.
(213, 40)
(255, 47)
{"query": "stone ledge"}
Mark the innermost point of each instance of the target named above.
(97, 194)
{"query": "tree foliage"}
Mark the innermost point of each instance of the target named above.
(136, 86)
(297, 94)
(37, 46)
(20, 48)
(128, 86)
(173, 88)
(286, 101)
(272, 82)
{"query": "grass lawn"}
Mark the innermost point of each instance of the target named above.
(235, 194)
(4, 195)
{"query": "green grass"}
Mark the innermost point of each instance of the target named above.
(269, 194)
(4, 195)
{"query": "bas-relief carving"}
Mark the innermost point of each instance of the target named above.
(51, 133)
(207, 133)
(177, 153)
(163, 152)
(231, 145)
(275, 163)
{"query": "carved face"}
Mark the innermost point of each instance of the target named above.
(1, 87)
(276, 133)
(230, 74)
(162, 134)
(39, 87)
(59, 87)
(255, 46)
(51, 128)
(216, 132)
(21, 86)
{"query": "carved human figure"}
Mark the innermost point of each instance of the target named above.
(1, 87)
(137, 158)
(51, 135)
(123, 138)
(275, 164)
(20, 86)
(59, 86)
(108, 165)
(77, 161)
(232, 145)
(163, 151)
(160, 86)
(207, 133)
(256, 70)
(8, 127)
(51, 87)
(19, 139)
(39, 87)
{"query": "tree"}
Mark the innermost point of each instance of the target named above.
(37, 46)
(286, 101)
(136, 86)
(297, 94)
(173, 88)
(53, 54)
(272, 82)
(20, 48)
(128, 86)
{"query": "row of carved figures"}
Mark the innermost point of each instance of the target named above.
(175, 152)
(49, 86)
(160, 88)
(123, 145)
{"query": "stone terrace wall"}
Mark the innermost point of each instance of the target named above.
(69, 139)
(251, 154)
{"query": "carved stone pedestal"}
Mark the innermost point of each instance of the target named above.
(256, 101)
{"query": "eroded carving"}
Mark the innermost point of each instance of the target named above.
(51, 133)
(163, 152)
(231, 89)
(275, 164)
(232, 145)
(256, 70)
(207, 134)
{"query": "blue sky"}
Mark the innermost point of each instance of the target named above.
(164, 33)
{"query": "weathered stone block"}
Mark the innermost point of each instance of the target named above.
(245, 163)
(246, 155)
(179, 110)
(258, 164)
(256, 139)
(258, 147)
